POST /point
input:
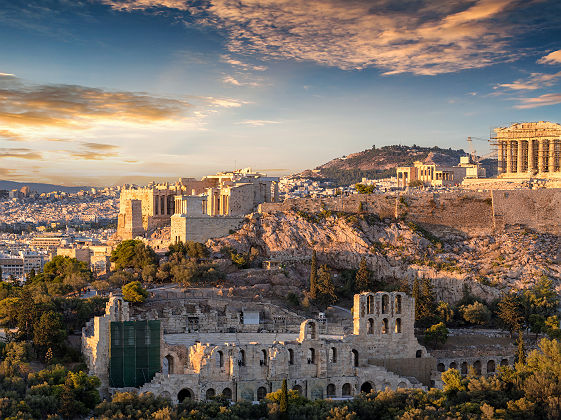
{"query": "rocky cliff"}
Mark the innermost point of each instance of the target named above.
(399, 250)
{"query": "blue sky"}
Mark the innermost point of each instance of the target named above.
(101, 91)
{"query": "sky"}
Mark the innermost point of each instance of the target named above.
(105, 92)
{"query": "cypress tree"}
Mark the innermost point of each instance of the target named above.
(417, 295)
(283, 403)
(325, 287)
(362, 279)
(313, 276)
(521, 351)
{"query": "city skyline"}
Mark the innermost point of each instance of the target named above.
(103, 92)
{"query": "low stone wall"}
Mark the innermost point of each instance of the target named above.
(419, 368)
(203, 228)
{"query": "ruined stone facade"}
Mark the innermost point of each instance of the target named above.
(229, 194)
(528, 150)
(381, 352)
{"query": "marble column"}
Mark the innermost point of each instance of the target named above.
(519, 161)
(530, 155)
(541, 156)
(500, 157)
(508, 157)
(551, 164)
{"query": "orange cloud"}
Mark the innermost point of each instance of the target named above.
(551, 58)
(535, 81)
(543, 100)
(20, 153)
(437, 36)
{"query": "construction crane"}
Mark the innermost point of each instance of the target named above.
(473, 152)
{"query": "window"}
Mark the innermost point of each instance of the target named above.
(241, 361)
(355, 358)
(210, 393)
(346, 390)
(370, 326)
(398, 304)
(370, 304)
(385, 304)
(333, 355)
(290, 356)
(419, 354)
(398, 325)
(491, 366)
(261, 393)
(440, 367)
(220, 359)
(311, 356)
(263, 361)
(385, 326)
(331, 391)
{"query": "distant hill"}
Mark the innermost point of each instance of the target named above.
(381, 162)
(40, 188)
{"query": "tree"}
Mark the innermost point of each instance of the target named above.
(133, 254)
(365, 189)
(313, 276)
(437, 334)
(134, 292)
(520, 348)
(444, 311)
(509, 311)
(325, 287)
(425, 302)
(476, 313)
(363, 278)
(49, 331)
(283, 401)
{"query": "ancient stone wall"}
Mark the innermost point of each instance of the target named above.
(201, 229)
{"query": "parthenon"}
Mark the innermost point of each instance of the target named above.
(529, 150)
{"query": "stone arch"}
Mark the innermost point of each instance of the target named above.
(227, 393)
(210, 393)
(185, 394)
(263, 360)
(290, 356)
(366, 387)
(440, 367)
(370, 326)
(398, 304)
(491, 366)
(308, 330)
(477, 367)
(385, 326)
(355, 357)
(419, 354)
(261, 393)
(333, 355)
(385, 304)
(347, 390)
(370, 304)
(311, 356)
(168, 364)
(398, 326)
(504, 362)
(453, 365)
(464, 368)
(298, 389)
(402, 385)
(331, 391)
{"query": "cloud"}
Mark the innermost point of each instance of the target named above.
(10, 135)
(258, 123)
(8, 75)
(551, 58)
(231, 80)
(425, 37)
(20, 153)
(224, 102)
(543, 100)
(535, 81)
(99, 146)
(241, 65)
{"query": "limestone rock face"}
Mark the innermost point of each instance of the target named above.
(488, 263)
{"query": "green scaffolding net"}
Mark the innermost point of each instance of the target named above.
(134, 353)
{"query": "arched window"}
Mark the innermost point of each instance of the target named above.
(333, 355)
(398, 304)
(311, 333)
(290, 356)
(491, 366)
(477, 367)
(210, 393)
(385, 304)
(398, 325)
(242, 358)
(169, 361)
(311, 356)
(453, 365)
(440, 367)
(370, 304)
(366, 388)
(184, 394)
(331, 391)
(298, 389)
(263, 361)
(355, 358)
(419, 354)
(370, 326)
(504, 362)
(464, 368)
(220, 359)
(346, 391)
(385, 326)
(261, 393)
(227, 393)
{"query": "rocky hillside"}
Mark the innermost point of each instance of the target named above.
(398, 250)
(381, 162)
